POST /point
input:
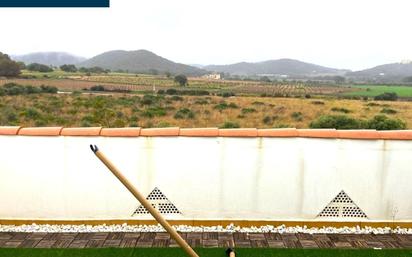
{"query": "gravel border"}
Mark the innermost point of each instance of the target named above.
(183, 228)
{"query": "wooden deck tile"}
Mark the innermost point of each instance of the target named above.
(12, 244)
(29, 243)
(94, 243)
(210, 242)
(62, 244)
(78, 243)
(276, 244)
(112, 243)
(45, 243)
(128, 242)
(308, 244)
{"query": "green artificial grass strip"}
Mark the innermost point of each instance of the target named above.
(203, 252)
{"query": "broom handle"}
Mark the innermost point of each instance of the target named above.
(155, 213)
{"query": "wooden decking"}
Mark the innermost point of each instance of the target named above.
(210, 239)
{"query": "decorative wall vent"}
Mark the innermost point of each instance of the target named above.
(342, 206)
(160, 202)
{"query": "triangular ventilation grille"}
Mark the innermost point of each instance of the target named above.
(160, 202)
(342, 206)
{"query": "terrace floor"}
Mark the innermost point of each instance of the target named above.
(205, 239)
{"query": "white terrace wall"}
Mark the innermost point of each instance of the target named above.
(206, 178)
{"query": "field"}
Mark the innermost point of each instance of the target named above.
(254, 104)
(119, 110)
(374, 90)
(203, 252)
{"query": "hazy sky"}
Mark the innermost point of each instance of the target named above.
(352, 34)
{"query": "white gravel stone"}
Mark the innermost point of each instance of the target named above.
(184, 228)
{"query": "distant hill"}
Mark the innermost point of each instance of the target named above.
(49, 58)
(139, 61)
(386, 72)
(276, 67)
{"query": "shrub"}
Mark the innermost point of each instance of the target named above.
(387, 96)
(267, 120)
(171, 91)
(184, 113)
(258, 103)
(97, 88)
(344, 110)
(16, 89)
(229, 124)
(336, 121)
(248, 110)
(224, 106)
(388, 111)
(373, 104)
(381, 122)
(176, 98)
(226, 94)
(154, 112)
(48, 89)
(318, 102)
(297, 116)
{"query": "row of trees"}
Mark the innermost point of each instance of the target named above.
(8, 67)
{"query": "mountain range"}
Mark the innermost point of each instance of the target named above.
(49, 58)
(146, 61)
(139, 61)
(288, 67)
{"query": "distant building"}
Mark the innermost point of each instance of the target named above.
(212, 76)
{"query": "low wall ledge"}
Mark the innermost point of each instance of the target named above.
(207, 132)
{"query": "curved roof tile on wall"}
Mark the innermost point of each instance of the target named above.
(207, 132)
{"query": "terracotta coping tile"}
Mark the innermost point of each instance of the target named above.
(208, 132)
(318, 133)
(9, 130)
(359, 134)
(396, 134)
(286, 132)
(120, 132)
(93, 131)
(199, 132)
(241, 132)
(153, 132)
(40, 131)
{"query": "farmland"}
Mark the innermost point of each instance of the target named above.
(148, 83)
(374, 90)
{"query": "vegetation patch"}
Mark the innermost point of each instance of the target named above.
(340, 109)
(379, 122)
(230, 124)
(388, 111)
(184, 113)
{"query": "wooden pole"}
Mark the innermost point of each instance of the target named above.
(155, 213)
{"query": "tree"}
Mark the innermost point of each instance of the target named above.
(8, 67)
(181, 79)
(68, 68)
(265, 79)
(339, 79)
(168, 74)
(391, 96)
(39, 67)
